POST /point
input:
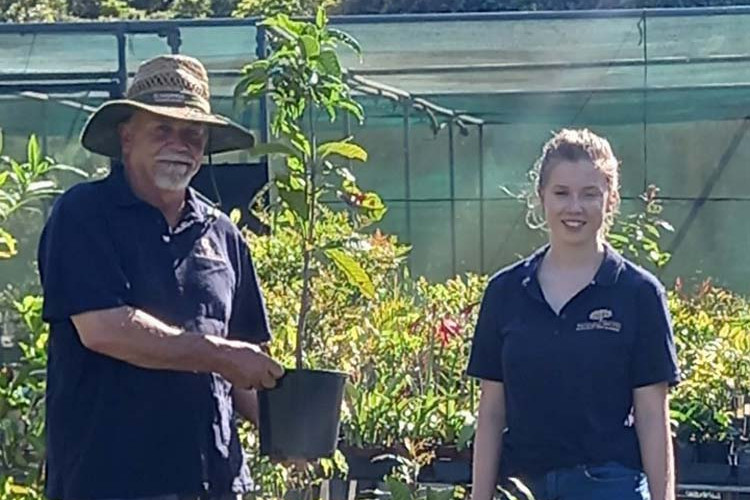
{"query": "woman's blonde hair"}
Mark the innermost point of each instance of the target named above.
(574, 145)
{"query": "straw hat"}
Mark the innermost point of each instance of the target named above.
(174, 86)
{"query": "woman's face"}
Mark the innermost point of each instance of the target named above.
(574, 198)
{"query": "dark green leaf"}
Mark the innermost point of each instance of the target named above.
(294, 199)
(329, 63)
(352, 107)
(346, 39)
(272, 148)
(399, 490)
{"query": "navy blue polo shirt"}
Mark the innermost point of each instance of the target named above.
(115, 430)
(569, 378)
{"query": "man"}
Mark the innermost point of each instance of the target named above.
(154, 307)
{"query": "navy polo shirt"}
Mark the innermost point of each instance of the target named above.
(569, 378)
(115, 430)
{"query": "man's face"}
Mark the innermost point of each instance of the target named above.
(162, 152)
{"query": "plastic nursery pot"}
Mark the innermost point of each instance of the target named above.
(299, 418)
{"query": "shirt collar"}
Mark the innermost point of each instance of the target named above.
(197, 207)
(607, 274)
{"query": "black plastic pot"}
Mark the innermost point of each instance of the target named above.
(369, 463)
(456, 471)
(299, 418)
(703, 463)
(452, 466)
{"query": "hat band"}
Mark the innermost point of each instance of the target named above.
(175, 99)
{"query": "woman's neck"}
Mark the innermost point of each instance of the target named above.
(563, 256)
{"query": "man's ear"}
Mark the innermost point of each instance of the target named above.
(124, 131)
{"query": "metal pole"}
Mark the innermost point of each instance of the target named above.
(122, 64)
(407, 174)
(481, 198)
(452, 175)
(261, 49)
(260, 52)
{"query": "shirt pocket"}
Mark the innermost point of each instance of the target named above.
(211, 283)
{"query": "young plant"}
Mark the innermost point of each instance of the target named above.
(22, 186)
(303, 78)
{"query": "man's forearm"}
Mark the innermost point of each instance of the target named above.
(134, 336)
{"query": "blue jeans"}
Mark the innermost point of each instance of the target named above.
(610, 481)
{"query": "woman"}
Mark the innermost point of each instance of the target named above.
(574, 350)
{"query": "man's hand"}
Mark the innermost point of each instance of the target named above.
(246, 366)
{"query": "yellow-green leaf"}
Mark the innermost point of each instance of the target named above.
(235, 215)
(310, 46)
(33, 153)
(356, 275)
(348, 150)
(321, 19)
(7, 245)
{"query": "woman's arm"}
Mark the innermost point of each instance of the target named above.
(652, 425)
(488, 440)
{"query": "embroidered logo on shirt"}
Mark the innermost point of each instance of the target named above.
(600, 320)
(207, 250)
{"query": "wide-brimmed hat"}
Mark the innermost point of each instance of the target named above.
(175, 86)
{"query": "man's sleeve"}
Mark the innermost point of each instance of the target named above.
(78, 262)
(249, 319)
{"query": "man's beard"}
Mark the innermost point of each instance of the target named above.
(173, 176)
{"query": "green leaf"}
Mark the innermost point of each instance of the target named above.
(295, 164)
(329, 63)
(68, 168)
(7, 245)
(346, 39)
(18, 172)
(465, 435)
(283, 23)
(310, 46)
(3, 178)
(32, 151)
(42, 186)
(300, 142)
(356, 275)
(321, 19)
(399, 490)
(348, 150)
(272, 148)
(618, 238)
(294, 199)
(353, 107)
(235, 216)
(442, 494)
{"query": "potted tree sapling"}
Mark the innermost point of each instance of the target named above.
(303, 78)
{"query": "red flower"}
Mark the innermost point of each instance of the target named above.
(447, 329)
